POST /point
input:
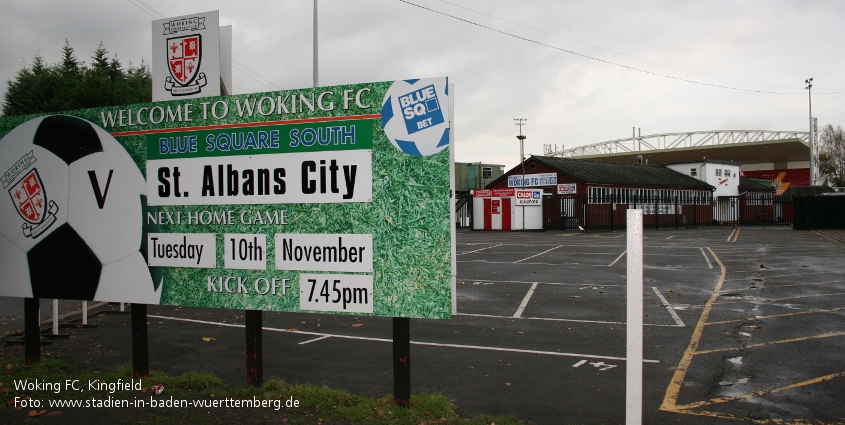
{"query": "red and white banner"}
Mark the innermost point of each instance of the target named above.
(494, 193)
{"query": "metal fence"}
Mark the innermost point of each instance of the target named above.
(820, 212)
(463, 209)
(576, 212)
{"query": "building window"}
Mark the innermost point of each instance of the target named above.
(718, 172)
(693, 172)
(599, 195)
(644, 196)
(623, 196)
(487, 173)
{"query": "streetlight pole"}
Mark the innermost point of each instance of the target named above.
(315, 69)
(809, 87)
(520, 122)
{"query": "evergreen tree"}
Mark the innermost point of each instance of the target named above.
(71, 84)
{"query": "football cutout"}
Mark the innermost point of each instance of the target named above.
(72, 218)
(415, 115)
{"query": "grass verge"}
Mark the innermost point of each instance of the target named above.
(52, 391)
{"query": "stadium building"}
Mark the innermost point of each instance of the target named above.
(583, 194)
(781, 157)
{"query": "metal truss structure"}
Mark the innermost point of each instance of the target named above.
(690, 139)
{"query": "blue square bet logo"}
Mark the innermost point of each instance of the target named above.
(420, 109)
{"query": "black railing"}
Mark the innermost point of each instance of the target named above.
(463, 209)
(820, 212)
(576, 212)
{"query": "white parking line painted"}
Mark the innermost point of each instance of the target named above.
(314, 340)
(618, 258)
(428, 344)
(579, 264)
(525, 300)
(709, 264)
(670, 237)
(669, 307)
(552, 319)
(731, 235)
(545, 283)
(482, 249)
(537, 255)
(579, 363)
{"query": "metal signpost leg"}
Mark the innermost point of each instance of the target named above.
(140, 349)
(254, 354)
(402, 361)
(32, 330)
(634, 327)
(54, 332)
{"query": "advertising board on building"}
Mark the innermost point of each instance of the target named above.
(493, 193)
(532, 197)
(541, 179)
(651, 209)
(328, 199)
(567, 189)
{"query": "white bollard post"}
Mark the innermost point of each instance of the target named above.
(55, 317)
(84, 313)
(634, 352)
(122, 307)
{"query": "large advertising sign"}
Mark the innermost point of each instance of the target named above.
(329, 199)
(540, 179)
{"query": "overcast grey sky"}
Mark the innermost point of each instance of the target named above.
(514, 59)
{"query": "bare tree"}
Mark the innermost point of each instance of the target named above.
(831, 154)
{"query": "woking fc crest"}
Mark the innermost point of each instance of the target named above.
(31, 201)
(184, 55)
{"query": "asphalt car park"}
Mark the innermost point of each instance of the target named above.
(740, 326)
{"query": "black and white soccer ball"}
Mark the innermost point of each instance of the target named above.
(71, 215)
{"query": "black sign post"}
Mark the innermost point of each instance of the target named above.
(402, 361)
(32, 330)
(140, 348)
(254, 354)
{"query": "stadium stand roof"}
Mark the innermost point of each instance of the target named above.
(617, 174)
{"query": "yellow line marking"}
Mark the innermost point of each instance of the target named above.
(828, 237)
(671, 398)
(719, 400)
(832, 310)
(768, 300)
(781, 275)
(764, 344)
(771, 421)
(736, 235)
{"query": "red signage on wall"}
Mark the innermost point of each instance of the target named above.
(496, 206)
(494, 193)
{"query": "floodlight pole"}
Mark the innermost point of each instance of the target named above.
(809, 88)
(520, 122)
(316, 73)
